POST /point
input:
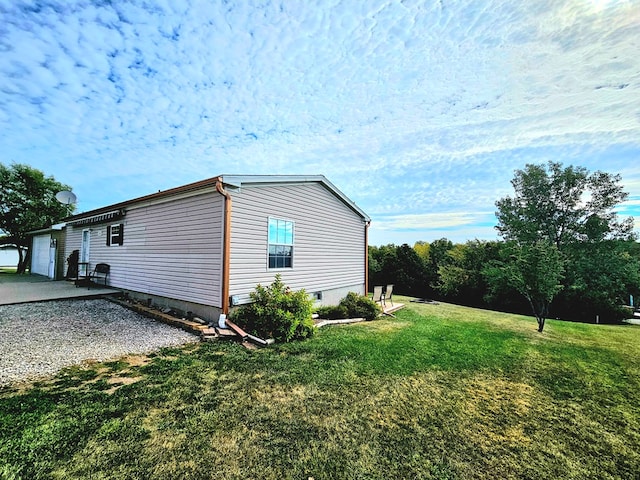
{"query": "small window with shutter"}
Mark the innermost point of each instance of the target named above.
(115, 234)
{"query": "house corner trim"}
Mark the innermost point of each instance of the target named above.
(226, 245)
(366, 257)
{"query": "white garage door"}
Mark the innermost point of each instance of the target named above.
(40, 255)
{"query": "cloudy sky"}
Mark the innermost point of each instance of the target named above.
(419, 111)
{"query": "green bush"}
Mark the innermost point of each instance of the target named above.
(351, 306)
(360, 306)
(332, 312)
(276, 312)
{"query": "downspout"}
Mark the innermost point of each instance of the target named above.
(226, 245)
(366, 258)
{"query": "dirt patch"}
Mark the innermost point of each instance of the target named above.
(118, 382)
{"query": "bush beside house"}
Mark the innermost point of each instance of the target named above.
(277, 312)
(352, 306)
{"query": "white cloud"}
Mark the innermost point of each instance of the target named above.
(425, 221)
(409, 107)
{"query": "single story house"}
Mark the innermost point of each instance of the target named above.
(204, 247)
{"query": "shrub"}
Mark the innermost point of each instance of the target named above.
(276, 312)
(332, 312)
(351, 306)
(360, 306)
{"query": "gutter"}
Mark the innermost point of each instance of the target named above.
(366, 257)
(226, 260)
(192, 187)
(226, 245)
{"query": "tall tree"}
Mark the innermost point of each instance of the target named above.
(600, 279)
(27, 202)
(438, 257)
(381, 263)
(461, 279)
(562, 205)
(535, 270)
(398, 265)
(422, 249)
(410, 273)
(572, 209)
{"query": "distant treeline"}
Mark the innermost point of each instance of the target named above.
(598, 280)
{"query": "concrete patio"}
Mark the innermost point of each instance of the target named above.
(36, 288)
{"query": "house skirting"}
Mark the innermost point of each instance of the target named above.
(205, 312)
(334, 295)
(211, 313)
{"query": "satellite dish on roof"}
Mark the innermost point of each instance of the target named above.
(66, 197)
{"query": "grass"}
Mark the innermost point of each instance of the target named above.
(441, 392)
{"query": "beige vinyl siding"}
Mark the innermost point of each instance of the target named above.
(171, 249)
(61, 258)
(73, 239)
(328, 250)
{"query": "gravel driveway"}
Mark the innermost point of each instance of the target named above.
(39, 339)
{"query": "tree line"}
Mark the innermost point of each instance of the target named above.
(564, 252)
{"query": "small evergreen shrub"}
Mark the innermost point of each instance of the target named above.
(276, 312)
(332, 312)
(351, 306)
(360, 306)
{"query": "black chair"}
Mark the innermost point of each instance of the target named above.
(100, 273)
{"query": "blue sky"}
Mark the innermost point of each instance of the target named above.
(419, 111)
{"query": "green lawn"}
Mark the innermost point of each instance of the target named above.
(440, 391)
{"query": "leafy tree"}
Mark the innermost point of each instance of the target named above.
(460, 278)
(600, 280)
(535, 270)
(573, 210)
(562, 205)
(381, 264)
(438, 257)
(27, 202)
(438, 251)
(410, 274)
(422, 249)
(400, 266)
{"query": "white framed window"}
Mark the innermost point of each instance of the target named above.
(280, 243)
(115, 234)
